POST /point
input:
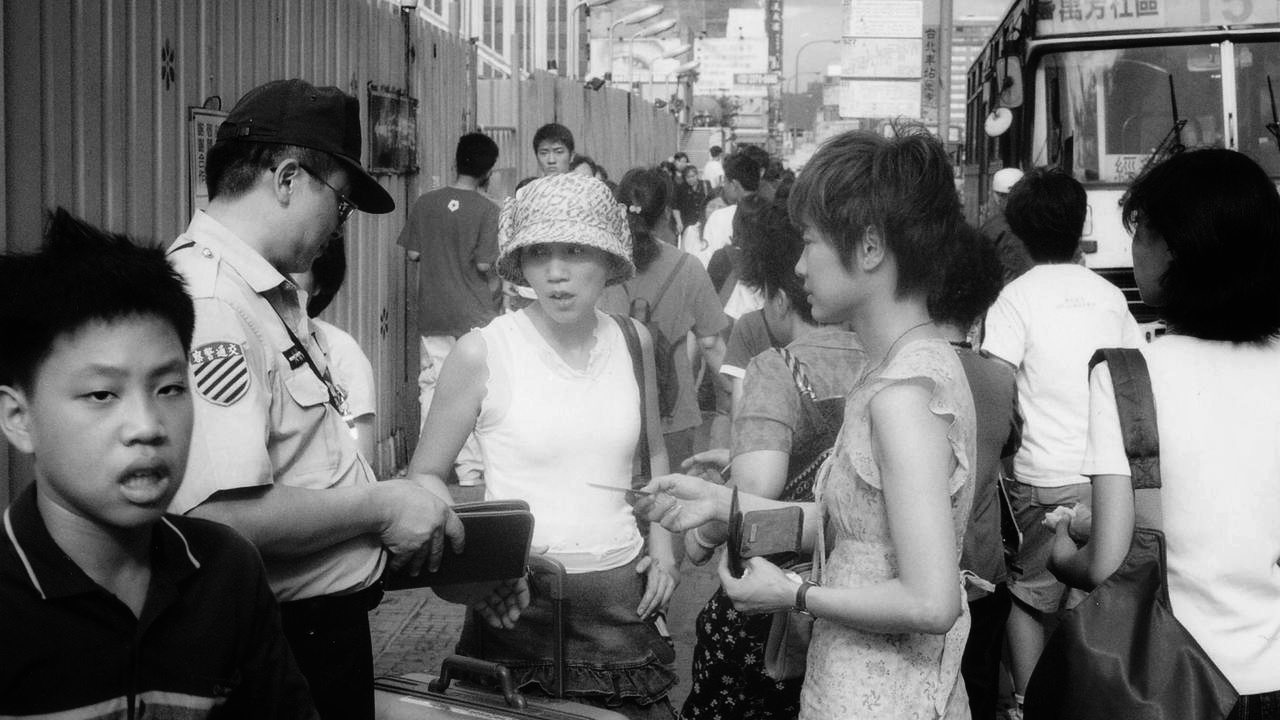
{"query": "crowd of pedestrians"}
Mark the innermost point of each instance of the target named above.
(839, 346)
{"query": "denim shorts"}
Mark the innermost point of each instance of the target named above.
(610, 652)
(1030, 581)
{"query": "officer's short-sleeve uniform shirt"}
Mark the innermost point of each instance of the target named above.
(263, 413)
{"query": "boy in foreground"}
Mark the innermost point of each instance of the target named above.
(108, 606)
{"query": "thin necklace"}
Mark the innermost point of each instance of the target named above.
(889, 353)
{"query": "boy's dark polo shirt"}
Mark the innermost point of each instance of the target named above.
(208, 644)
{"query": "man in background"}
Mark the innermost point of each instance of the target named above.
(553, 146)
(456, 229)
(1014, 258)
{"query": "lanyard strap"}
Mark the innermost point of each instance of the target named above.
(337, 398)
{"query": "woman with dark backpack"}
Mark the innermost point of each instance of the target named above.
(672, 295)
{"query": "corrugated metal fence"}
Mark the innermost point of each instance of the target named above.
(96, 102)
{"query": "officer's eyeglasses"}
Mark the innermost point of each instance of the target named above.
(345, 206)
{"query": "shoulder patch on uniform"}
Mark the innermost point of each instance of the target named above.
(221, 372)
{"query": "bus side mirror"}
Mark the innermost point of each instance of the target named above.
(1009, 77)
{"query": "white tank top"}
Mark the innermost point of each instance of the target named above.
(546, 430)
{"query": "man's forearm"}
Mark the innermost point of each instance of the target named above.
(289, 522)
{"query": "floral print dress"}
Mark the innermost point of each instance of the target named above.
(854, 673)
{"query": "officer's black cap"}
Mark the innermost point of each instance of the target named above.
(295, 112)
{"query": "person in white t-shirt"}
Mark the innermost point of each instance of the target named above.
(1206, 255)
(713, 171)
(741, 178)
(1047, 323)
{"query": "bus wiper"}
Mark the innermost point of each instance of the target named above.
(1273, 127)
(1172, 143)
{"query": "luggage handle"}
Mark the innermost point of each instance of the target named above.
(474, 667)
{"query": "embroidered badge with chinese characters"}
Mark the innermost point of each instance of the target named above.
(221, 372)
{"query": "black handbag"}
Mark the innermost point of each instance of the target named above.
(1121, 653)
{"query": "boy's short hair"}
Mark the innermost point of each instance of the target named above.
(716, 151)
(81, 275)
(1046, 209)
(971, 280)
(476, 155)
(328, 272)
(680, 156)
(553, 132)
(1219, 213)
(232, 168)
(903, 186)
(744, 169)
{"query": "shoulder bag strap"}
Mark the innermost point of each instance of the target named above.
(768, 330)
(640, 469)
(730, 280)
(808, 398)
(808, 401)
(1136, 407)
(666, 284)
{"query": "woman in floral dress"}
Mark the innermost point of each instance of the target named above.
(880, 216)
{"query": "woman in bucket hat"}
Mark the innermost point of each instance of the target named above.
(550, 392)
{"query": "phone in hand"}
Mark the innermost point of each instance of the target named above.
(733, 555)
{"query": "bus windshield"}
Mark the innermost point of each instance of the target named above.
(1255, 62)
(1107, 111)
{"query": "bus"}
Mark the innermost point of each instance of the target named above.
(1103, 88)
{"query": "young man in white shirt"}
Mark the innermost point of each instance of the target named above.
(1047, 323)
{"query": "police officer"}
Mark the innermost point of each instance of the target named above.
(271, 455)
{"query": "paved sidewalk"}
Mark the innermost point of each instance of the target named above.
(413, 630)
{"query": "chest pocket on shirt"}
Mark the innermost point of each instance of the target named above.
(305, 388)
(306, 433)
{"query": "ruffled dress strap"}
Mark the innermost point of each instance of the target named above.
(933, 362)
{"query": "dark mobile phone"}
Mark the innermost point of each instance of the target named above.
(732, 556)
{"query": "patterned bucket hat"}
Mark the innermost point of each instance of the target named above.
(565, 208)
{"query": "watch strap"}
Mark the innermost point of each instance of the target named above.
(802, 591)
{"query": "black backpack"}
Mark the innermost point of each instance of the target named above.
(664, 360)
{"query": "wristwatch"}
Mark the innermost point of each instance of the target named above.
(801, 591)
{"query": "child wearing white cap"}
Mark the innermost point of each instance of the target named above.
(551, 394)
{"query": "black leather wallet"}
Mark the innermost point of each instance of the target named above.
(497, 536)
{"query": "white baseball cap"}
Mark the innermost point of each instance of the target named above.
(1004, 180)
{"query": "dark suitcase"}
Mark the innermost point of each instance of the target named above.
(419, 696)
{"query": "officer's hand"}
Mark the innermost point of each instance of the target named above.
(415, 524)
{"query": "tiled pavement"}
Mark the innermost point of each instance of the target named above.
(413, 630)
